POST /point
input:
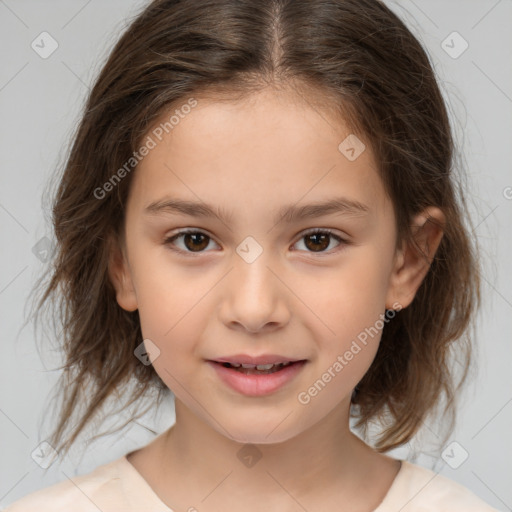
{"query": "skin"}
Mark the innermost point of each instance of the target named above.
(252, 157)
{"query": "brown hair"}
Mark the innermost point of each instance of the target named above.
(360, 60)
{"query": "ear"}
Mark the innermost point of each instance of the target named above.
(120, 275)
(413, 259)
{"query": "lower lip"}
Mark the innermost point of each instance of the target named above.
(257, 385)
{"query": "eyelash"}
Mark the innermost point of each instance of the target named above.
(169, 240)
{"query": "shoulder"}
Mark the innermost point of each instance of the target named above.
(97, 490)
(418, 489)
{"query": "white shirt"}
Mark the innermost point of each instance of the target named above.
(118, 487)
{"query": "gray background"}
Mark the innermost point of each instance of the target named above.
(40, 100)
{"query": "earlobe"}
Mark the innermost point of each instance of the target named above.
(120, 276)
(413, 259)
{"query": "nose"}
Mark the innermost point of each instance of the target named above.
(254, 299)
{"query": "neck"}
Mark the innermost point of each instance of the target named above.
(325, 457)
(192, 466)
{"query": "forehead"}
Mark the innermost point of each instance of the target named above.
(266, 150)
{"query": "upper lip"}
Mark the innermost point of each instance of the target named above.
(256, 360)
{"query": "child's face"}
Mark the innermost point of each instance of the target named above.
(223, 298)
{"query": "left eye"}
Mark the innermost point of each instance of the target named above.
(317, 241)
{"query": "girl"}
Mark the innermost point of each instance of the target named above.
(258, 213)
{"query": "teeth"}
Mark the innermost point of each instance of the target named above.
(258, 367)
(264, 366)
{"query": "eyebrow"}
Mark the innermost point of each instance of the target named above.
(290, 213)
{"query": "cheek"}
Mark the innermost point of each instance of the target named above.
(351, 307)
(352, 297)
(165, 290)
(167, 298)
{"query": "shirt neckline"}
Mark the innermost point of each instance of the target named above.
(393, 490)
(148, 490)
(383, 505)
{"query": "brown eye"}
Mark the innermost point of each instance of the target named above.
(319, 240)
(193, 241)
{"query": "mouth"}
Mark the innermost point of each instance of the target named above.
(257, 379)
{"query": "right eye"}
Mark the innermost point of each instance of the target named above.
(194, 241)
